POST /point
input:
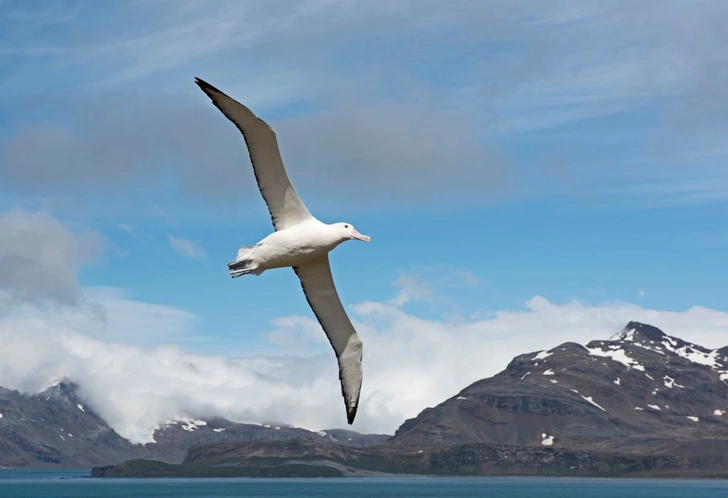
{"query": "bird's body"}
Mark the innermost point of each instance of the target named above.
(289, 247)
(299, 241)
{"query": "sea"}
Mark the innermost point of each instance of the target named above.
(55, 483)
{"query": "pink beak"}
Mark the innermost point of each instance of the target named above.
(359, 236)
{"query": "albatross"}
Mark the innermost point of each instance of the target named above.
(300, 241)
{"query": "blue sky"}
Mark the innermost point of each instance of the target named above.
(494, 151)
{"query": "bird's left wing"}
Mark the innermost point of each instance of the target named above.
(285, 206)
(318, 286)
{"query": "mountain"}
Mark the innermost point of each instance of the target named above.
(55, 428)
(641, 403)
(640, 392)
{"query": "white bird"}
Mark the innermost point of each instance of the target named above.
(299, 241)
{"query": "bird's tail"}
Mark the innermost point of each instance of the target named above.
(243, 264)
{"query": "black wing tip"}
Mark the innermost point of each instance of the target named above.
(351, 413)
(205, 86)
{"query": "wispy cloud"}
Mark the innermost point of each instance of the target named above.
(524, 74)
(431, 283)
(127, 227)
(410, 288)
(186, 248)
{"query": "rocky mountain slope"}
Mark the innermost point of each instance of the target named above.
(640, 392)
(54, 427)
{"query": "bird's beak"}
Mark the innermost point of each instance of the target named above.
(359, 236)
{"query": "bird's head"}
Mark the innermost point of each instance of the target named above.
(347, 231)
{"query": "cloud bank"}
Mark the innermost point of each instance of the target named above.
(373, 152)
(410, 363)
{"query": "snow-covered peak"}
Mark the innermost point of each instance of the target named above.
(651, 338)
(636, 331)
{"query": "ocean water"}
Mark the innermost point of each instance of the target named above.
(36, 483)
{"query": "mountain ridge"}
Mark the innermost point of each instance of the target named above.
(641, 403)
(56, 428)
(585, 397)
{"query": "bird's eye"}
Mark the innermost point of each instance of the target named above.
(346, 226)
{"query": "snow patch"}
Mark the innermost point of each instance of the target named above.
(547, 440)
(1, 415)
(691, 354)
(694, 419)
(618, 355)
(590, 400)
(70, 435)
(524, 375)
(541, 356)
(649, 376)
(221, 429)
(191, 425)
(548, 372)
(656, 350)
(638, 408)
(553, 381)
(718, 413)
(321, 433)
(618, 382)
(461, 397)
(654, 407)
(670, 382)
(80, 407)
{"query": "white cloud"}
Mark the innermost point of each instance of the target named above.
(409, 363)
(187, 248)
(127, 227)
(40, 258)
(111, 314)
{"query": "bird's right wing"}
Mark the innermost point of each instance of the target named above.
(318, 286)
(285, 206)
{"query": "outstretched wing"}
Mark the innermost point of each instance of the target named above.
(318, 286)
(285, 206)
